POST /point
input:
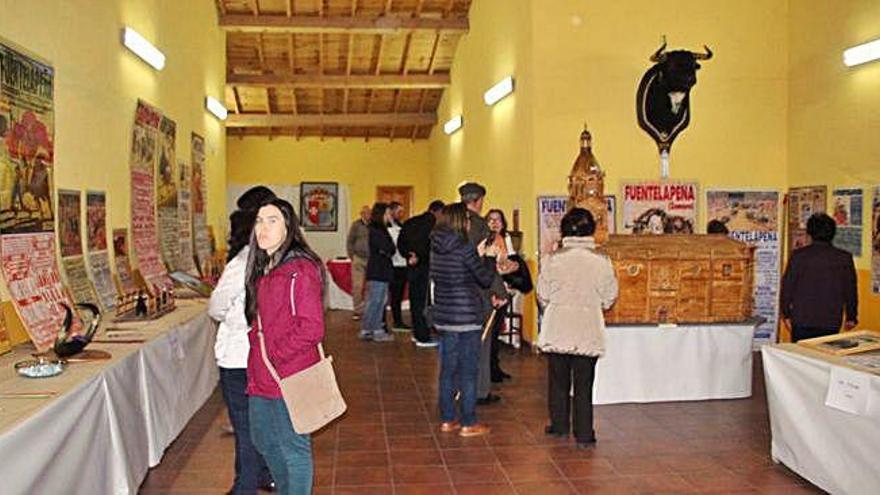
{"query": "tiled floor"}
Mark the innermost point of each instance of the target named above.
(388, 442)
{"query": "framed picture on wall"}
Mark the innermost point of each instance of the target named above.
(319, 206)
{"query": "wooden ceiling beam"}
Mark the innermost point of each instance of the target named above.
(331, 120)
(388, 24)
(386, 81)
(289, 8)
(255, 7)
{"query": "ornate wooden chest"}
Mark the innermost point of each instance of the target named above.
(680, 279)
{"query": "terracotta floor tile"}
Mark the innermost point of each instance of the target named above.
(538, 471)
(363, 490)
(363, 476)
(424, 489)
(362, 459)
(454, 457)
(420, 475)
(477, 473)
(486, 489)
(608, 486)
(412, 443)
(587, 468)
(429, 457)
(544, 488)
(639, 465)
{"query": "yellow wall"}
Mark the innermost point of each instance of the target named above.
(361, 165)
(832, 119)
(98, 83)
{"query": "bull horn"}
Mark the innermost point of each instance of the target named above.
(703, 56)
(660, 55)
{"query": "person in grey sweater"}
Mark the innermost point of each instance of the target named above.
(357, 245)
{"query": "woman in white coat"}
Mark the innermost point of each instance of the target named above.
(574, 286)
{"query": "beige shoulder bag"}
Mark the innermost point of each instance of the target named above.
(312, 396)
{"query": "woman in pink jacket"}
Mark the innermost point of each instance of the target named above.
(284, 284)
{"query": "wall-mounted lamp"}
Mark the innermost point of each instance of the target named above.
(143, 48)
(503, 88)
(215, 107)
(861, 54)
(453, 124)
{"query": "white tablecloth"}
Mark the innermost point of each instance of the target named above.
(694, 362)
(835, 450)
(114, 419)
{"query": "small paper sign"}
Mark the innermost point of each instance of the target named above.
(848, 390)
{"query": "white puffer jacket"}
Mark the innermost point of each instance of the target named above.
(574, 285)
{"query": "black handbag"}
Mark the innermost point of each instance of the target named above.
(521, 279)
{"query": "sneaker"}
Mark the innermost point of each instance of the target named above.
(401, 329)
(550, 431)
(383, 337)
(364, 335)
(449, 426)
(473, 430)
(356, 317)
(426, 344)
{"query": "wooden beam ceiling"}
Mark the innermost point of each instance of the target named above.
(332, 120)
(383, 81)
(388, 24)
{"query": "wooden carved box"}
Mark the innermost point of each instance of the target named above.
(680, 279)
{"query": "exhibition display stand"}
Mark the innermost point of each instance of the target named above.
(103, 424)
(651, 363)
(834, 449)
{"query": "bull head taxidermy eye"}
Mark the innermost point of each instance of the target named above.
(66, 347)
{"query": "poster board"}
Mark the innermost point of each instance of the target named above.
(659, 207)
(186, 255)
(166, 194)
(124, 275)
(875, 242)
(846, 210)
(201, 241)
(802, 203)
(96, 247)
(70, 240)
(551, 209)
(27, 218)
(753, 217)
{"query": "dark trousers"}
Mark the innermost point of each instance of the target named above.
(250, 468)
(561, 370)
(418, 299)
(398, 283)
(801, 332)
(494, 365)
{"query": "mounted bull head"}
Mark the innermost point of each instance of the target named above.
(663, 98)
(66, 347)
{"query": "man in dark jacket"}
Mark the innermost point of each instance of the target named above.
(414, 244)
(473, 195)
(819, 286)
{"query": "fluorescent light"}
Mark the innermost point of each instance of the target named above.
(861, 54)
(453, 124)
(503, 88)
(215, 107)
(143, 48)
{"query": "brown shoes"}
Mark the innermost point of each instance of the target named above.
(449, 426)
(473, 431)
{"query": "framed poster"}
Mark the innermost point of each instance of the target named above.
(847, 214)
(319, 206)
(659, 207)
(802, 203)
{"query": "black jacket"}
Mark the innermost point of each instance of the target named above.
(379, 267)
(415, 237)
(458, 274)
(819, 285)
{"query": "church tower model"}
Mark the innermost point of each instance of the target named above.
(586, 186)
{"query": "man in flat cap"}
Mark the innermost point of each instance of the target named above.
(472, 195)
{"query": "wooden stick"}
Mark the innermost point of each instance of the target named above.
(487, 328)
(28, 395)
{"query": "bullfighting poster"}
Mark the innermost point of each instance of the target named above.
(185, 260)
(27, 220)
(96, 242)
(846, 210)
(753, 217)
(551, 209)
(802, 203)
(659, 207)
(201, 242)
(144, 235)
(166, 194)
(124, 278)
(70, 238)
(319, 206)
(5, 344)
(875, 242)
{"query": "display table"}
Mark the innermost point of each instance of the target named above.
(834, 450)
(339, 285)
(647, 363)
(110, 420)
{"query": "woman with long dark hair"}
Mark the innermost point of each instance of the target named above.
(285, 281)
(380, 272)
(458, 275)
(574, 286)
(231, 347)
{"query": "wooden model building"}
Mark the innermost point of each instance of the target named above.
(672, 278)
(586, 186)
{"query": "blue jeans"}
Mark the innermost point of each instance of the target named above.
(459, 365)
(250, 468)
(374, 307)
(288, 453)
